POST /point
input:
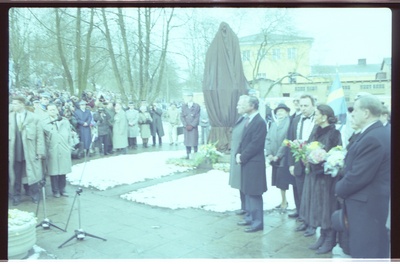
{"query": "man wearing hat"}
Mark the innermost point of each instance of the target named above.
(84, 118)
(190, 117)
(275, 152)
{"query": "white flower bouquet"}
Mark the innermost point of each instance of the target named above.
(334, 161)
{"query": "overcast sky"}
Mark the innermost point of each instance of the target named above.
(341, 35)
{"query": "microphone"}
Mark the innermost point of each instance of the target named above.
(59, 118)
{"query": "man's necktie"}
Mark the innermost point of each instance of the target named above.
(246, 123)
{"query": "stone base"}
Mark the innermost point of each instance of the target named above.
(21, 239)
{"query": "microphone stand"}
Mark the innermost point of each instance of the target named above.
(46, 223)
(79, 234)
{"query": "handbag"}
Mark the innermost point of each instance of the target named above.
(179, 130)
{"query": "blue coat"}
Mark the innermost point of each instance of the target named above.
(365, 186)
(251, 148)
(84, 131)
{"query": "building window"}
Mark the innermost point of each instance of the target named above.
(246, 55)
(346, 87)
(365, 86)
(311, 88)
(276, 54)
(300, 89)
(379, 86)
(292, 53)
(286, 94)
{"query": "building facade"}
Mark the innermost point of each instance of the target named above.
(285, 71)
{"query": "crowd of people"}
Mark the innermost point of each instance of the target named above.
(351, 207)
(47, 129)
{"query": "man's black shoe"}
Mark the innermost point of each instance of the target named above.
(294, 215)
(243, 223)
(301, 227)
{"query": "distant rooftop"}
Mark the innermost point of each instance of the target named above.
(360, 68)
(274, 38)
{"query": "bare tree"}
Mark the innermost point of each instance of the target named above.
(117, 73)
(64, 63)
(19, 35)
(276, 22)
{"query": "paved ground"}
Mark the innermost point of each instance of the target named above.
(139, 231)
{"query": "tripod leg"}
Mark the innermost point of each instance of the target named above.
(95, 236)
(51, 224)
(67, 241)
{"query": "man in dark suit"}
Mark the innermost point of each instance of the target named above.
(365, 186)
(301, 129)
(250, 155)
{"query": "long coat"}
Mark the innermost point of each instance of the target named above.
(120, 130)
(84, 131)
(144, 124)
(276, 134)
(33, 142)
(365, 187)
(58, 140)
(251, 148)
(132, 115)
(318, 200)
(235, 178)
(157, 125)
(273, 145)
(190, 117)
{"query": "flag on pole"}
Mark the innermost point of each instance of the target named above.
(337, 101)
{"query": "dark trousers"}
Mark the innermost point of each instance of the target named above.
(104, 143)
(132, 142)
(58, 183)
(32, 190)
(154, 140)
(298, 190)
(255, 211)
(189, 149)
(19, 167)
(242, 201)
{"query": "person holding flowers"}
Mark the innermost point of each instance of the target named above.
(318, 200)
(299, 132)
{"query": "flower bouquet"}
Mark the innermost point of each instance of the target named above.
(334, 161)
(208, 152)
(315, 152)
(297, 148)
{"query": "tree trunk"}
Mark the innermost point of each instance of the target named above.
(116, 71)
(126, 49)
(64, 63)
